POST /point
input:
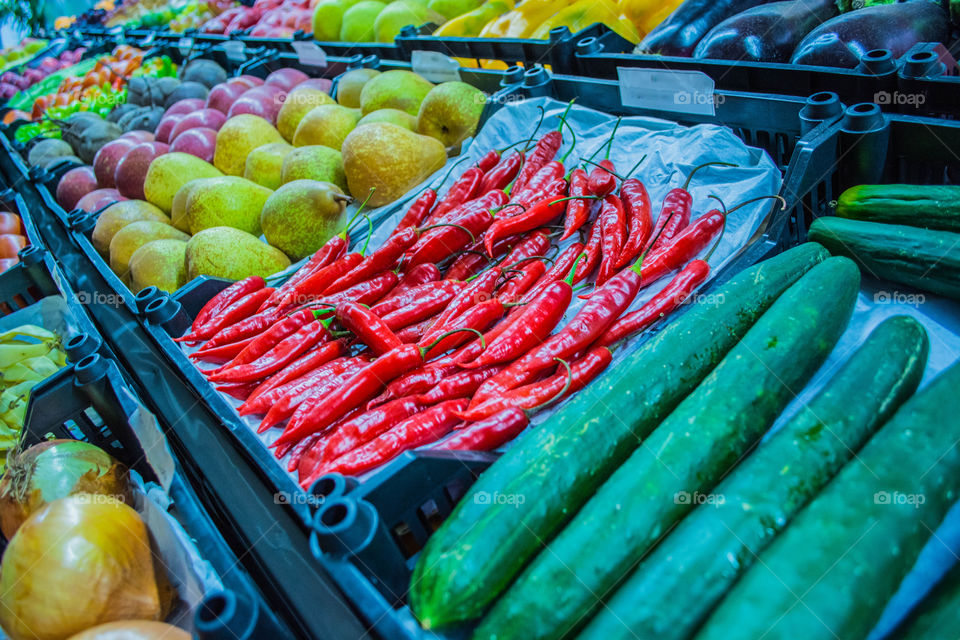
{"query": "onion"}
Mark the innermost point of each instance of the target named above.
(78, 562)
(56, 469)
(133, 630)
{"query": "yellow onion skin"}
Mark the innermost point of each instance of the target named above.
(56, 469)
(133, 630)
(80, 561)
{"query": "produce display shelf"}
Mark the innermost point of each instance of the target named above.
(924, 81)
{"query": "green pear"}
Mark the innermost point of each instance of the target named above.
(225, 252)
(450, 112)
(314, 162)
(119, 215)
(265, 164)
(450, 9)
(226, 202)
(169, 172)
(357, 25)
(161, 264)
(396, 89)
(327, 125)
(297, 104)
(391, 116)
(327, 18)
(389, 159)
(178, 211)
(237, 138)
(135, 235)
(351, 83)
(401, 13)
(302, 215)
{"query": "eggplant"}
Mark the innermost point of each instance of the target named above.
(897, 27)
(679, 34)
(768, 33)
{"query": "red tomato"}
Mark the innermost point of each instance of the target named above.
(9, 223)
(6, 263)
(10, 245)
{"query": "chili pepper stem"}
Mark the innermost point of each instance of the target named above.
(638, 265)
(528, 259)
(425, 350)
(613, 173)
(609, 145)
(566, 386)
(473, 238)
(543, 113)
(362, 205)
(701, 166)
(634, 167)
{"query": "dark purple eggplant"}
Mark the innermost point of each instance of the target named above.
(679, 34)
(768, 33)
(842, 41)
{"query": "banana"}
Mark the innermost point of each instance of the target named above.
(29, 331)
(10, 354)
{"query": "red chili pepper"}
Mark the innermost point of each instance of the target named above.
(300, 367)
(489, 160)
(593, 252)
(383, 258)
(418, 211)
(536, 243)
(222, 353)
(685, 247)
(367, 292)
(395, 302)
(415, 332)
(358, 431)
(368, 327)
(520, 204)
(244, 328)
(320, 412)
(613, 235)
(333, 249)
(562, 265)
(503, 174)
(460, 385)
(602, 180)
(488, 434)
(539, 214)
(426, 306)
(542, 153)
(675, 211)
(516, 287)
(293, 397)
(533, 396)
(531, 328)
(478, 291)
(285, 352)
(296, 453)
(424, 428)
(660, 305)
(636, 205)
(448, 240)
(261, 402)
(269, 338)
(238, 390)
(578, 211)
(467, 187)
(311, 287)
(486, 202)
(414, 383)
(478, 318)
(232, 313)
(418, 275)
(472, 260)
(538, 182)
(219, 302)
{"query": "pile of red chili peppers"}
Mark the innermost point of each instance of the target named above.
(452, 325)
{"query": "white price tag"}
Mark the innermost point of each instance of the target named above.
(434, 66)
(149, 39)
(185, 45)
(667, 90)
(234, 50)
(309, 53)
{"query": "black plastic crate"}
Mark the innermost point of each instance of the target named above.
(924, 81)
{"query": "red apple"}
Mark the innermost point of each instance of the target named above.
(139, 135)
(108, 157)
(187, 105)
(286, 78)
(199, 142)
(225, 94)
(165, 128)
(321, 84)
(132, 170)
(204, 118)
(98, 199)
(75, 184)
(262, 101)
(250, 81)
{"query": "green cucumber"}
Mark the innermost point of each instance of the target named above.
(938, 614)
(832, 571)
(926, 206)
(557, 466)
(678, 584)
(927, 260)
(686, 455)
